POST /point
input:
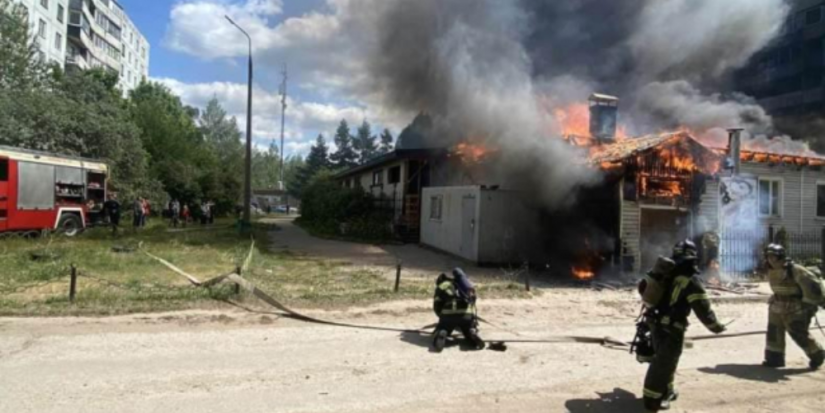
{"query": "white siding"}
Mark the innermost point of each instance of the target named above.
(630, 230)
(445, 234)
(707, 217)
(798, 202)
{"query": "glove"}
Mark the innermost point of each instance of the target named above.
(718, 328)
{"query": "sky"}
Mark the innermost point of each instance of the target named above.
(200, 55)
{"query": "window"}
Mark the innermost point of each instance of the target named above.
(58, 41)
(813, 16)
(74, 17)
(436, 204)
(770, 192)
(820, 199)
(378, 177)
(41, 29)
(4, 170)
(45, 3)
(60, 13)
(24, 11)
(394, 175)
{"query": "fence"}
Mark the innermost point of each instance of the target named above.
(741, 252)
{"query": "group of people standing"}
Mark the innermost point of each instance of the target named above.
(182, 214)
(112, 210)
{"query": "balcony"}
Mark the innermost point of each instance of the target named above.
(78, 61)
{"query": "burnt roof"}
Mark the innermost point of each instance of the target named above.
(627, 148)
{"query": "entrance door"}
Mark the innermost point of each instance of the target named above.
(661, 229)
(4, 194)
(468, 227)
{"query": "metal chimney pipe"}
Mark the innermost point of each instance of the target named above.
(735, 148)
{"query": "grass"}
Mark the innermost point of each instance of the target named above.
(34, 274)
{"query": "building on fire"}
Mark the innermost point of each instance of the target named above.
(656, 190)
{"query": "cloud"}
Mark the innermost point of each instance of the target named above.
(305, 120)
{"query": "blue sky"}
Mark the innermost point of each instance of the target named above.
(199, 55)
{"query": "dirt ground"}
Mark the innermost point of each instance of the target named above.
(416, 261)
(234, 361)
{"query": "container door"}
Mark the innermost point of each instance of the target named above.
(4, 193)
(468, 227)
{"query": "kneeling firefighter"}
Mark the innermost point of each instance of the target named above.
(455, 305)
(797, 295)
(670, 291)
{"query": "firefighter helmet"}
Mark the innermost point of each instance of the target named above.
(684, 251)
(775, 250)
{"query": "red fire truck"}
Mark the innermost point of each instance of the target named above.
(42, 191)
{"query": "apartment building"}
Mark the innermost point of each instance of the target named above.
(101, 35)
(788, 76)
(47, 18)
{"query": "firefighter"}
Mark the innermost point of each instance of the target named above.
(112, 208)
(668, 320)
(454, 304)
(797, 293)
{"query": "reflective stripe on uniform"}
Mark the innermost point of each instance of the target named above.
(679, 284)
(652, 394)
(697, 297)
(782, 290)
(774, 349)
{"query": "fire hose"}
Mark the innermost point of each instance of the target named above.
(266, 298)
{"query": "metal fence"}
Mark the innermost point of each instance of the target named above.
(741, 252)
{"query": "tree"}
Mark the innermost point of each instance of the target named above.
(386, 142)
(221, 182)
(21, 65)
(316, 162)
(364, 143)
(266, 167)
(345, 156)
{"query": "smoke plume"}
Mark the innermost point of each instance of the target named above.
(494, 71)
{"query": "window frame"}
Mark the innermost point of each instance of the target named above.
(380, 175)
(58, 41)
(780, 202)
(819, 183)
(436, 207)
(61, 12)
(390, 172)
(44, 4)
(41, 28)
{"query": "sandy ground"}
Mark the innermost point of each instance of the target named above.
(235, 361)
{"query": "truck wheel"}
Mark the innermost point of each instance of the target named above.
(69, 225)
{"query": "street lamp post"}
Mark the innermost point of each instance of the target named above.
(247, 198)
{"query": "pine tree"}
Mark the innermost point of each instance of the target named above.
(345, 156)
(316, 161)
(386, 142)
(364, 143)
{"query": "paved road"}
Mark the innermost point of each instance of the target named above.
(243, 362)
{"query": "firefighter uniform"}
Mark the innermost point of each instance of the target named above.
(668, 322)
(455, 310)
(797, 293)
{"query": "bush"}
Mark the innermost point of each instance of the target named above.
(329, 209)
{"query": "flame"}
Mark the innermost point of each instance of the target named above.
(583, 274)
(471, 153)
(574, 121)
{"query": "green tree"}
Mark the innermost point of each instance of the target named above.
(364, 143)
(21, 64)
(345, 156)
(221, 182)
(386, 142)
(316, 161)
(179, 155)
(266, 168)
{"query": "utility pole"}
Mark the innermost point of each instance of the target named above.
(247, 198)
(283, 123)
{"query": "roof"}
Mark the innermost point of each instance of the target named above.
(29, 155)
(396, 155)
(627, 148)
(603, 97)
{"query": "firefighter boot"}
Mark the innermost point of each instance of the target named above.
(774, 359)
(475, 340)
(671, 397)
(817, 359)
(440, 340)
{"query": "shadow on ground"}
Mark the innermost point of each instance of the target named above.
(617, 401)
(754, 372)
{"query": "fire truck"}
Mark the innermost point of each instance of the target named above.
(42, 191)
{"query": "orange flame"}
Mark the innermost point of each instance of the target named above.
(583, 273)
(574, 120)
(471, 153)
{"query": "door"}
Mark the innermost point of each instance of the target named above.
(661, 230)
(4, 193)
(468, 227)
